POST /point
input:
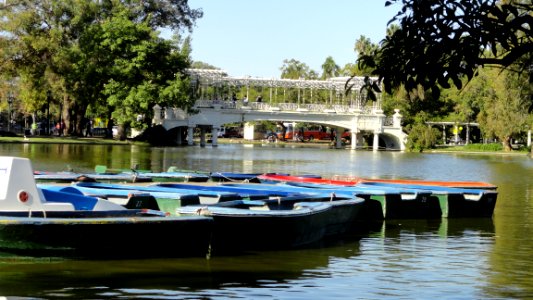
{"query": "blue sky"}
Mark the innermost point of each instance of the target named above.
(253, 37)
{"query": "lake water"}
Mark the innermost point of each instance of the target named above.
(406, 259)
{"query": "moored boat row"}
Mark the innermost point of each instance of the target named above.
(216, 216)
(67, 221)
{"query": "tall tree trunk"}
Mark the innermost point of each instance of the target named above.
(506, 143)
(65, 115)
(122, 132)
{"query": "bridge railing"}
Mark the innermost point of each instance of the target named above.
(311, 107)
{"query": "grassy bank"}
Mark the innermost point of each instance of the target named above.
(65, 140)
(481, 148)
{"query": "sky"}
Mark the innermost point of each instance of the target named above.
(254, 37)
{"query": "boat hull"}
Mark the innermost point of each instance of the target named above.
(99, 235)
(239, 229)
(431, 201)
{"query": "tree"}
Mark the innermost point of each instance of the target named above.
(82, 51)
(294, 69)
(504, 111)
(330, 68)
(363, 47)
(143, 70)
(443, 43)
(421, 136)
(439, 42)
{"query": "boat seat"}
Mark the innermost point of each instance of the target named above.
(142, 201)
(52, 206)
(79, 202)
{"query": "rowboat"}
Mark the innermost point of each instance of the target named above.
(176, 176)
(270, 178)
(230, 176)
(380, 203)
(344, 206)
(344, 216)
(453, 202)
(247, 177)
(246, 192)
(38, 222)
(130, 198)
(66, 177)
(340, 219)
(258, 225)
(206, 196)
(421, 201)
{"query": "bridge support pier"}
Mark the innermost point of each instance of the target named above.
(375, 144)
(338, 139)
(214, 136)
(190, 136)
(178, 137)
(202, 137)
(353, 141)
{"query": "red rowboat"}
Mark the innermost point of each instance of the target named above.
(355, 181)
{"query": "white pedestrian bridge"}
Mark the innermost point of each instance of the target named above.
(346, 114)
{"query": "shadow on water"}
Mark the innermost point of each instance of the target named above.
(55, 277)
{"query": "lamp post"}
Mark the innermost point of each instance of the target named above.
(10, 100)
(48, 97)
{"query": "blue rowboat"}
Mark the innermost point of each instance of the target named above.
(206, 196)
(345, 206)
(246, 193)
(46, 222)
(163, 201)
(380, 203)
(453, 202)
(423, 201)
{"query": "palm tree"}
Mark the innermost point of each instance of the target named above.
(330, 68)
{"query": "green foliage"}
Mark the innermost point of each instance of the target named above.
(443, 42)
(504, 104)
(105, 55)
(492, 147)
(421, 137)
(330, 68)
(364, 47)
(294, 69)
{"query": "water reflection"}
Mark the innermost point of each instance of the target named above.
(168, 277)
(443, 228)
(455, 258)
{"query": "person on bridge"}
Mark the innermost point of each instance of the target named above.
(259, 99)
(245, 101)
(234, 100)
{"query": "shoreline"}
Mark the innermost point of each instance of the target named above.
(321, 144)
